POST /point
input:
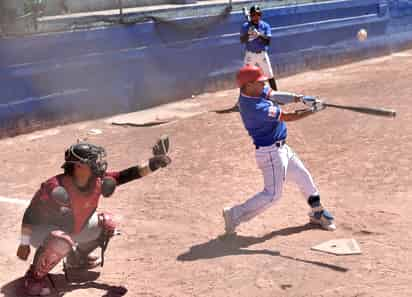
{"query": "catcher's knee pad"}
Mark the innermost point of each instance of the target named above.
(56, 246)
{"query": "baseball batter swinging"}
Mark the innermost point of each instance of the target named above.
(62, 220)
(256, 35)
(265, 122)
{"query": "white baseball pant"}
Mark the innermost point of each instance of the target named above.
(276, 164)
(260, 60)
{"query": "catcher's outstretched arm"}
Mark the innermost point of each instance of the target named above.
(160, 159)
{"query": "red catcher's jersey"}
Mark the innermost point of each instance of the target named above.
(82, 204)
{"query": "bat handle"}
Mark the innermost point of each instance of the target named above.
(246, 13)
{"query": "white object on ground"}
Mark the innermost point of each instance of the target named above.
(94, 132)
(14, 201)
(344, 246)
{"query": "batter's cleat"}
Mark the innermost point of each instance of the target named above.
(323, 218)
(229, 224)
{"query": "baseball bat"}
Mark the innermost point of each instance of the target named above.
(383, 112)
(246, 14)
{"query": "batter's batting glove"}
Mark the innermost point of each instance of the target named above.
(318, 106)
(314, 103)
(309, 100)
(253, 34)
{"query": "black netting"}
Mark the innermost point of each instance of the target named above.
(168, 30)
(185, 26)
(188, 22)
(174, 30)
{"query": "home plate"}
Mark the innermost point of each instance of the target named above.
(345, 246)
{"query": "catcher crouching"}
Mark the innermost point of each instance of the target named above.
(61, 221)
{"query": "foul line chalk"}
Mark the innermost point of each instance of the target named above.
(14, 201)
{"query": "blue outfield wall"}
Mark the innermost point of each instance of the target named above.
(123, 68)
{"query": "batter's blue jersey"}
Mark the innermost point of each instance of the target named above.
(256, 45)
(261, 119)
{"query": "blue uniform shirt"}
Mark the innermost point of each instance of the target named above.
(261, 119)
(256, 45)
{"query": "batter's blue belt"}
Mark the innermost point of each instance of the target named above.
(278, 143)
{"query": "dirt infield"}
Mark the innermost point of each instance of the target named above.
(171, 220)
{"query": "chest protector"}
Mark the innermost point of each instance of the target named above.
(83, 204)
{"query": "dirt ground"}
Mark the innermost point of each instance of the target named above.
(171, 221)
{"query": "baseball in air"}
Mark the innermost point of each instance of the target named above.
(362, 35)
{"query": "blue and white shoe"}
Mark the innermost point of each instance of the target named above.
(323, 218)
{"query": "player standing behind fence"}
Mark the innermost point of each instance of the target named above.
(256, 34)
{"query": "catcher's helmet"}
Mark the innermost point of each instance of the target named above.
(255, 10)
(248, 74)
(86, 153)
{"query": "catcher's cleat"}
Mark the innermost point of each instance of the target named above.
(323, 218)
(229, 224)
(34, 286)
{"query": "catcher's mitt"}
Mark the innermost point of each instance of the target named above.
(162, 146)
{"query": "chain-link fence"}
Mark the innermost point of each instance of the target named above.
(42, 16)
(21, 17)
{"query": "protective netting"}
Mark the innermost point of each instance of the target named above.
(172, 30)
(182, 24)
(176, 23)
(169, 30)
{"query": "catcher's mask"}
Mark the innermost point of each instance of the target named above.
(86, 153)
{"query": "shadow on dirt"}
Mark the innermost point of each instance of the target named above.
(226, 245)
(14, 288)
